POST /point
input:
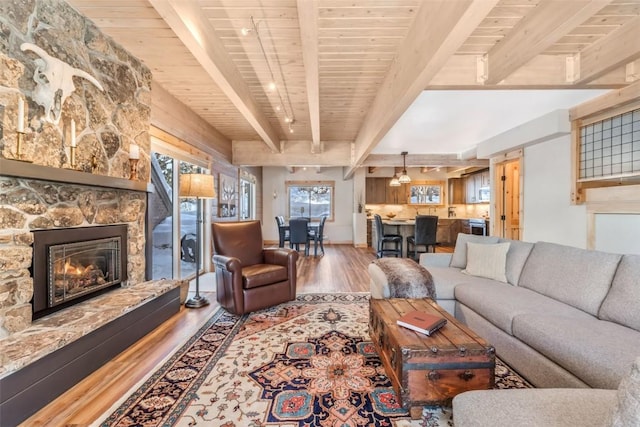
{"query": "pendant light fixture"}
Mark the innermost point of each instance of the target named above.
(394, 181)
(404, 178)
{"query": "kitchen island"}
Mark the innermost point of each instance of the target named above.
(448, 229)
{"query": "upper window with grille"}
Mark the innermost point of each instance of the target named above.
(610, 148)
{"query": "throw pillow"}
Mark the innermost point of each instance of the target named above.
(627, 410)
(459, 258)
(488, 261)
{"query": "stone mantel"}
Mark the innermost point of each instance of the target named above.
(20, 169)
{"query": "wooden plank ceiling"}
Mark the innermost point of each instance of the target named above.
(345, 70)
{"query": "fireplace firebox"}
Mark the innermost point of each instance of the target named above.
(73, 264)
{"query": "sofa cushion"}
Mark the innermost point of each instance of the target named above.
(499, 302)
(446, 279)
(516, 258)
(487, 260)
(627, 407)
(598, 352)
(575, 276)
(459, 258)
(533, 407)
(621, 303)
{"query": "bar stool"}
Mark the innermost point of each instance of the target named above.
(425, 232)
(383, 239)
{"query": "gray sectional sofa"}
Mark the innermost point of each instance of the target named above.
(565, 317)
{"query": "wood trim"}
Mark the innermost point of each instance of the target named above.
(606, 102)
(309, 183)
(166, 143)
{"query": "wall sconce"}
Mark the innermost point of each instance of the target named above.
(275, 194)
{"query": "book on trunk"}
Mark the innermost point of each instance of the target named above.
(424, 323)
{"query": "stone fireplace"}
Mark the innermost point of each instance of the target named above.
(47, 189)
(44, 187)
(72, 264)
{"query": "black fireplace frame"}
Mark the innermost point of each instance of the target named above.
(43, 239)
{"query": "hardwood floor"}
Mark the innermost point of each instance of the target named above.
(342, 269)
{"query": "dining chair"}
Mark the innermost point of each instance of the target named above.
(425, 233)
(283, 233)
(384, 239)
(299, 233)
(317, 234)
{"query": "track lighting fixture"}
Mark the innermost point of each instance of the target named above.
(274, 86)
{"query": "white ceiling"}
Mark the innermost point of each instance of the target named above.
(455, 121)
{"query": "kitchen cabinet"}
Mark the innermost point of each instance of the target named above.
(447, 231)
(396, 195)
(471, 189)
(375, 189)
(464, 226)
(379, 192)
(485, 179)
(473, 184)
(456, 191)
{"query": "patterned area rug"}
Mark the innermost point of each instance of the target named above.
(304, 363)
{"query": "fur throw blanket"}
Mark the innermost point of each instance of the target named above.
(406, 278)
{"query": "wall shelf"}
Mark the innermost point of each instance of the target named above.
(18, 169)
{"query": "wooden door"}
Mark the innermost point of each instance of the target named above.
(508, 207)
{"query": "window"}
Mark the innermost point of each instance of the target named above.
(610, 147)
(310, 199)
(247, 196)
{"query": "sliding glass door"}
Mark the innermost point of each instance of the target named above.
(173, 219)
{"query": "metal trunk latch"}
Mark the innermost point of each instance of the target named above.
(433, 375)
(466, 375)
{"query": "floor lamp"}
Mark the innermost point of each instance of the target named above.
(199, 186)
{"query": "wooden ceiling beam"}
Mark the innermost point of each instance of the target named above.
(308, 21)
(541, 72)
(255, 153)
(423, 160)
(615, 50)
(538, 30)
(438, 30)
(191, 26)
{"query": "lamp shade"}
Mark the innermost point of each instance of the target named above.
(197, 185)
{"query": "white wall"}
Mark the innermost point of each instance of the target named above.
(619, 233)
(340, 230)
(548, 213)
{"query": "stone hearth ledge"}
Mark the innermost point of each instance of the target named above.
(52, 332)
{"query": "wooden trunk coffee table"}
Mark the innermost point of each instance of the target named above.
(429, 370)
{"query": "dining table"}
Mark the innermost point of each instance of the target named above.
(311, 226)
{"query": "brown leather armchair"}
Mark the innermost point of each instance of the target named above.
(248, 276)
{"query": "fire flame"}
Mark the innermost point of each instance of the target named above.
(73, 270)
